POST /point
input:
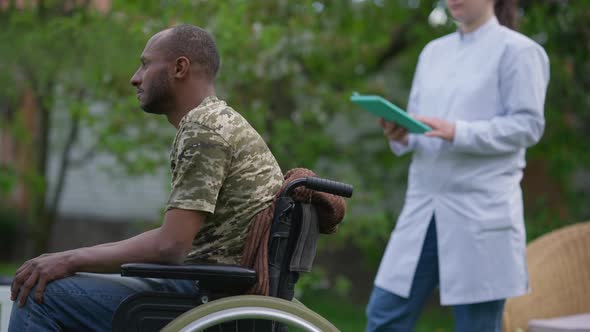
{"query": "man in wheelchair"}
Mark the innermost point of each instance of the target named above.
(222, 175)
(224, 183)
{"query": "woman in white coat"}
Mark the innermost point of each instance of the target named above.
(482, 90)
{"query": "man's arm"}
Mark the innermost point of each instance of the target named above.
(167, 244)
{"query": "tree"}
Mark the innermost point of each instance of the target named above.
(70, 62)
(73, 67)
(289, 67)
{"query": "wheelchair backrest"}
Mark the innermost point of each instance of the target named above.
(292, 245)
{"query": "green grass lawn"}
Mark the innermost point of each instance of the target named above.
(351, 318)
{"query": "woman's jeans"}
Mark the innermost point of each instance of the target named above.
(389, 312)
(86, 302)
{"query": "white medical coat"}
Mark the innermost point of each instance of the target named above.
(491, 83)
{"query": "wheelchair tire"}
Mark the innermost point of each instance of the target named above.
(250, 307)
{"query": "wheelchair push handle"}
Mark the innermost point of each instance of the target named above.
(329, 186)
(319, 184)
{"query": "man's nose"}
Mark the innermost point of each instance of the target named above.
(135, 79)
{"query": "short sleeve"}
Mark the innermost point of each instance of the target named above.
(200, 163)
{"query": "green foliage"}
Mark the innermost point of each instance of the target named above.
(289, 68)
(318, 280)
(7, 179)
(79, 64)
(565, 148)
(8, 269)
(562, 28)
(9, 221)
(311, 282)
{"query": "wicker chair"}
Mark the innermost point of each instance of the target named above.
(559, 269)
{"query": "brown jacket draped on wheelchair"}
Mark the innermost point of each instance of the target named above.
(330, 209)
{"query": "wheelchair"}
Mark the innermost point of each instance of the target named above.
(221, 304)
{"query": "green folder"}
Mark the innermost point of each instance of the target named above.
(384, 109)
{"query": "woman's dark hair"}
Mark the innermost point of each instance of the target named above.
(506, 11)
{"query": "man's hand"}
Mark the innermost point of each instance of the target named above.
(440, 128)
(167, 244)
(39, 271)
(394, 132)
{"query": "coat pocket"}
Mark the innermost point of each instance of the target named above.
(495, 225)
(497, 216)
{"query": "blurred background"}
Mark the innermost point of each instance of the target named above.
(81, 164)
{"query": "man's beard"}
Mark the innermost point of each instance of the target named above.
(159, 95)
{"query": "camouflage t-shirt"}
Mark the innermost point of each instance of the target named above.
(222, 166)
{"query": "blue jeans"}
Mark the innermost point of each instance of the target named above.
(387, 312)
(85, 302)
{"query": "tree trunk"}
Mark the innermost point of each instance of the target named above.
(48, 216)
(39, 216)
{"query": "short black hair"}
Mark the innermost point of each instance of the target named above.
(197, 45)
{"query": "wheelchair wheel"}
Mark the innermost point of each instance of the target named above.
(242, 307)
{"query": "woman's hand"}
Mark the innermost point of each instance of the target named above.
(440, 128)
(394, 132)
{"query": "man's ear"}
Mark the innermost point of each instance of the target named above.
(182, 67)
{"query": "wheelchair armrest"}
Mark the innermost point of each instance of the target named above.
(232, 279)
